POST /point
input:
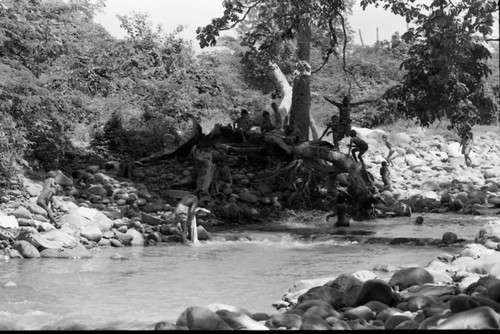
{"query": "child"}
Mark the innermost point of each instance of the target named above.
(333, 126)
(340, 211)
(243, 124)
(466, 144)
(45, 199)
(185, 214)
(357, 145)
(267, 124)
(391, 151)
(385, 174)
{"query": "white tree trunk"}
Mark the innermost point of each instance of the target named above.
(286, 103)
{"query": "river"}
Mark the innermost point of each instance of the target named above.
(158, 283)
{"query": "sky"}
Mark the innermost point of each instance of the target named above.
(195, 13)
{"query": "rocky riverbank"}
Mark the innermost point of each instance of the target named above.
(452, 292)
(99, 207)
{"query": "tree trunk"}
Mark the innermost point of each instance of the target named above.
(301, 97)
(286, 103)
(286, 92)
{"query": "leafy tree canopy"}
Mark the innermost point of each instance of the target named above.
(446, 63)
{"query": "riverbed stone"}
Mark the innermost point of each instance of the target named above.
(22, 212)
(201, 318)
(239, 321)
(407, 277)
(8, 222)
(482, 317)
(314, 322)
(284, 320)
(137, 237)
(27, 250)
(91, 232)
(375, 290)
(449, 238)
(77, 252)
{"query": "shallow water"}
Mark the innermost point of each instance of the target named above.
(158, 283)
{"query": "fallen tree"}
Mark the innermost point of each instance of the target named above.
(305, 171)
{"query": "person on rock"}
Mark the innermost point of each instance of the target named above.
(185, 216)
(340, 211)
(345, 113)
(390, 155)
(466, 144)
(46, 198)
(267, 124)
(243, 124)
(385, 174)
(357, 145)
(334, 127)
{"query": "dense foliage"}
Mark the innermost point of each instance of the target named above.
(446, 64)
(67, 84)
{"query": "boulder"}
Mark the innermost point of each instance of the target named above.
(22, 212)
(27, 250)
(314, 322)
(449, 238)
(482, 317)
(77, 252)
(84, 216)
(201, 318)
(91, 232)
(239, 321)
(489, 231)
(406, 277)
(375, 290)
(137, 237)
(8, 222)
(125, 239)
(286, 320)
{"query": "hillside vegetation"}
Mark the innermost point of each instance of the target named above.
(69, 86)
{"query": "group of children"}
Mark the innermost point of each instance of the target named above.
(243, 123)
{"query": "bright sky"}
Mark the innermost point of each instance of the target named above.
(195, 13)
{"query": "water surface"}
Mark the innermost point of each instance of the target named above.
(158, 283)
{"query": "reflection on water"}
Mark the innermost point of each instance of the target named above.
(158, 283)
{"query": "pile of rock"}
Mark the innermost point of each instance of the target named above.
(430, 175)
(451, 292)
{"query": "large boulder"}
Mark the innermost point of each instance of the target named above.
(53, 239)
(375, 290)
(489, 231)
(239, 321)
(91, 232)
(137, 237)
(9, 222)
(201, 318)
(85, 216)
(77, 252)
(482, 317)
(26, 249)
(406, 277)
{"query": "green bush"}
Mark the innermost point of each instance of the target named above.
(13, 146)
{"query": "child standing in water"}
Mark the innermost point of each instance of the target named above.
(340, 211)
(185, 214)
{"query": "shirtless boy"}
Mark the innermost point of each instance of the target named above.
(45, 199)
(357, 145)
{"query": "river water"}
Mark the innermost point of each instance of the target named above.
(158, 283)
